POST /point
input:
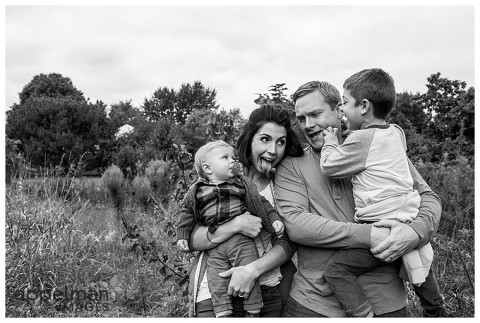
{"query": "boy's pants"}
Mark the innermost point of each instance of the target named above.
(237, 251)
(346, 265)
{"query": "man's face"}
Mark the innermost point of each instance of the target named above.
(315, 115)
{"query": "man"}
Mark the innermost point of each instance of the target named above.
(318, 215)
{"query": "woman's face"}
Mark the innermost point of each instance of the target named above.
(268, 146)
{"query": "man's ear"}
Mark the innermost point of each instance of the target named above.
(206, 168)
(338, 111)
(365, 106)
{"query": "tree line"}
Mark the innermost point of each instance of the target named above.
(55, 125)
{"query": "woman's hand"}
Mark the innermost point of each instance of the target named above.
(247, 224)
(389, 245)
(241, 281)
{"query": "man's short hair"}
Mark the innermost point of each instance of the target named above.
(375, 85)
(202, 153)
(329, 92)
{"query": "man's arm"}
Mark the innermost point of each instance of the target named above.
(428, 218)
(305, 227)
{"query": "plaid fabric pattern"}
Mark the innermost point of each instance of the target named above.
(220, 203)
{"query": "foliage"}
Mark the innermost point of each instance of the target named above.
(114, 182)
(122, 113)
(142, 191)
(53, 85)
(183, 173)
(206, 125)
(127, 161)
(454, 185)
(14, 161)
(178, 105)
(157, 172)
(53, 128)
(439, 124)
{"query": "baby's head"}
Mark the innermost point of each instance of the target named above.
(216, 161)
(375, 85)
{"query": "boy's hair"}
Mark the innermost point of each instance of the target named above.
(375, 85)
(202, 153)
(329, 92)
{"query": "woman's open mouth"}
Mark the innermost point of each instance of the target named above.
(265, 165)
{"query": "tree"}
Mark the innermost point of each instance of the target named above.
(408, 109)
(450, 111)
(162, 104)
(58, 126)
(178, 105)
(206, 125)
(52, 85)
(122, 113)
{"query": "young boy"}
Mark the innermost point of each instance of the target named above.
(218, 196)
(374, 154)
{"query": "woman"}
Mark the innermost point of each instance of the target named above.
(267, 137)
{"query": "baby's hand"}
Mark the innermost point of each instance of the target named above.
(278, 227)
(182, 244)
(330, 134)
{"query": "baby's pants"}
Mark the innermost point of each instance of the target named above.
(237, 251)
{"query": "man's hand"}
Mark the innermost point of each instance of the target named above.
(248, 225)
(389, 246)
(330, 134)
(182, 244)
(241, 281)
(278, 227)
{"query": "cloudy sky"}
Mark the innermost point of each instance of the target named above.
(118, 53)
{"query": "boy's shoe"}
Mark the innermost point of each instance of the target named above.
(439, 312)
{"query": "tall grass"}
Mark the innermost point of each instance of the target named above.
(454, 249)
(57, 241)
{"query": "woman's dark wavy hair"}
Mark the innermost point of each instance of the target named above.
(267, 113)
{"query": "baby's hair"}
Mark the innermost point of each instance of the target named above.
(202, 153)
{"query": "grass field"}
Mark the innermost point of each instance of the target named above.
(69, 254)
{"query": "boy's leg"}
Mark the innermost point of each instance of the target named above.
(430, 297)
(218, 286)
(243, 251)
(341, 274)
(237, 251)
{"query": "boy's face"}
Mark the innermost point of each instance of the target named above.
(351, 111)
(220, 162)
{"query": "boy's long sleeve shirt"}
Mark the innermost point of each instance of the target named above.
(376, 160)
(244, 190)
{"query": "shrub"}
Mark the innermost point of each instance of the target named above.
(454, 183)
(157, 173)
(114, 182)
(127, 159)
(142, 191)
